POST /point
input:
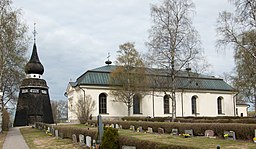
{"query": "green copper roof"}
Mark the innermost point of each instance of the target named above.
(100, 77)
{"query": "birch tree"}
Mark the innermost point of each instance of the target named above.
(173, 41)
(237, 30)
(13, 48)
(129, 77)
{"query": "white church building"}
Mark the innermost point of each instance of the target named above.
(201, 96)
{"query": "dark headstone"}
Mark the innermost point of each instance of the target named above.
(230, 135)
(139, 129)
(61, 135)
(74, 139)
(175, 132)
(190, 132)
(100, 128)
(160, 130)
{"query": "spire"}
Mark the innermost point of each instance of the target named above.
(34, 65)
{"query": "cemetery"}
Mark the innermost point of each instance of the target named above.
(138, 134)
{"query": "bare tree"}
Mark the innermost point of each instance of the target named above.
(129, 78)
(84, 107)
(237, 30)
(173, 41)
(13, 48)
(59, 110)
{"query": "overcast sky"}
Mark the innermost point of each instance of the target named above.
(74, 36)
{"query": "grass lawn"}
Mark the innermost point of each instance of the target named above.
(37, 139)
(199, 142)
(2, 138)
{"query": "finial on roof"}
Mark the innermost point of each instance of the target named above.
(108, 62)
(188, 68)
(34, 32)
(34, 65)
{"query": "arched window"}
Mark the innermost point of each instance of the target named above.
(166, 104)
(102, 103)
(136, 104)
(219, 105)
(193, 103)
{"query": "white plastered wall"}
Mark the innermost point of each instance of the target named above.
(242, 109)
(206, 103)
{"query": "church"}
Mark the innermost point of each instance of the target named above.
(196, 96)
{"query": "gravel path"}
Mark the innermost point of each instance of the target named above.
(14, 139)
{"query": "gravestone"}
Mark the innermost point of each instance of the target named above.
(150, 130)
(100, 128)
(117, 126)
(175, 132)
(88, 141)
(49, 129)
(112, 125)
(56, 133)
(167, 120)
(74, 139)
(93, 143)
(121, 127)
(53, 131)
(209, 133)
(132, 128)
(61, 135)
(81, 139)
(128, 147)
(231, 135)
(140, 129)
(160, 131)
(190, 132)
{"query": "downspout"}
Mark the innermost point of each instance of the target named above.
(234, 102)
(84, 93)
(153, 98)
(182, 115)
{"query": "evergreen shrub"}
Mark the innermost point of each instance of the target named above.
(110, 138)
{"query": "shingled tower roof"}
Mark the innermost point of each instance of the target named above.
(34, 65)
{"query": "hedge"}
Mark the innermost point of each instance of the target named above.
(68, 131)
(220, 119)
(122, 140)
(243, 131)
(146, 144)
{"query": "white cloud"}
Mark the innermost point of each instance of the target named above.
(74, 36)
